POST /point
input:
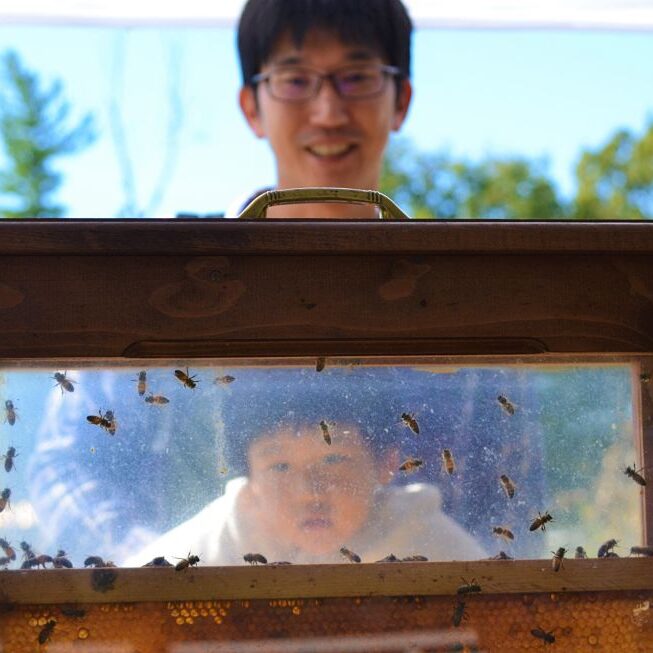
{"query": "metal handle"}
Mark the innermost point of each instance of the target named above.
(258, 207)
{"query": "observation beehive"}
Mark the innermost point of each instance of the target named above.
(483, 350)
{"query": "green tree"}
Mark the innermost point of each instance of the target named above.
(34, 131)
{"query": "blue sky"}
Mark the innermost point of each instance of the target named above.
(536, 93)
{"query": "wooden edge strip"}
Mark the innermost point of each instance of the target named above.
(110, 585)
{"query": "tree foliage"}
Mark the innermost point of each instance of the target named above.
(35, 131)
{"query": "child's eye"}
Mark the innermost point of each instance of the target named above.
(280, 467)
(334, 459)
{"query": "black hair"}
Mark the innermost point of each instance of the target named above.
(383, 25)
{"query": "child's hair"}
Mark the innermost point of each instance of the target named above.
(383, 25)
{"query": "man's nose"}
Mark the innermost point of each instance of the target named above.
(328, 109)
(315, 481)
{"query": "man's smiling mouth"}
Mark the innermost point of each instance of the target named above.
(331, 151)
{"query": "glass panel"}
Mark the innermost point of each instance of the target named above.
(404, 458)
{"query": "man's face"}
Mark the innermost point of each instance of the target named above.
(308, 494)
(326, 141)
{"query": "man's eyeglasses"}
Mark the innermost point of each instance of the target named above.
(299, 84)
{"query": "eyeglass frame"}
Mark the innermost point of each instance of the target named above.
(387, 70)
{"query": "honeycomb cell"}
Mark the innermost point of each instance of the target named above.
(296, 610)
(83, 633)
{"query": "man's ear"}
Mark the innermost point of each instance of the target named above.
(403, 102)
(249, 107)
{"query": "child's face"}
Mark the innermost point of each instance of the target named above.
(309, 494)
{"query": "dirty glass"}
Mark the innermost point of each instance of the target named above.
(299, 461)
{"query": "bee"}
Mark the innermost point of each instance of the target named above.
(255, 559)
(94, 561)
(448, 461)
(349, 555)
(606, 547)
(225, 380)
(633, 473)
(634, 550)
(141, 382)
(278, 563)
(8, 549)
(645, 378)
(325, 431)
(101, 421)
(64, 382)
(60, 560)
(159, 561)
(186, 380)
(416, 558)
(507, 485)
(4, 562)
(40, 560)
(506, 404)
(9, 459)
(389, 558)
(46, 632)
(546, 637)
(28, 553)
(540, 521)
(184, 563)
(580, 554)
(411, 465)
(409, 421)
(458, 612)
(10, 412)
(505, 533)
(320, 364)
(556, 563)
(4, 499)
(159, 400)
(113, 425)
(502, 555)
(468, 588)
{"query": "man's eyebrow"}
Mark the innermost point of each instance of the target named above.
(297, 60)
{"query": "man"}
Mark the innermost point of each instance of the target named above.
(325, 82)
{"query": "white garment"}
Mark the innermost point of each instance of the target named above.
(406, 520)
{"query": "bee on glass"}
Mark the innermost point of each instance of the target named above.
(101, 421)
(458, 612)
(255, 559)
(507, 485)
(503, 532)
(64, 382)
(469, 587)
(409, 421)
(184, 563)
(635, 474)
(326, 434)
(580, 554)
(411, 465)
(141, 382)
(546, 637)
(606, 547)
(225, 380)
(506, 404)
(9, 459)
(46, 632)
(347, 554)
(186, 379)
(320, 364)
(556, 562)
(109, 416)
(10, 412)
(158, 400)
(448, 461)
(4, 499)
(540, 521)
(8, 549)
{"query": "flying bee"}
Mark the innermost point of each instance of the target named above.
(225, 380)
(448, 461)
(546, 637)
(349, 555)
(9, 459)
(606, 547)
(10, 412)
(540, 521)
(320, 364)
(8, 549)
(101, 421)
(113, 425)
(468, 587)
(4, 499)
(159, 400)
(580, 554)
(46, 632)
(141, 381)
(326, 434)
(184, 563)
(60, 560)
(556, 562)
(505, 533)
(634, 550)
(507, 485)
(458, 612)
(411, 465)
(409, 421)
(633, 473)
(506, 404)
(255, 559)
(186, 380)
(64, 382)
